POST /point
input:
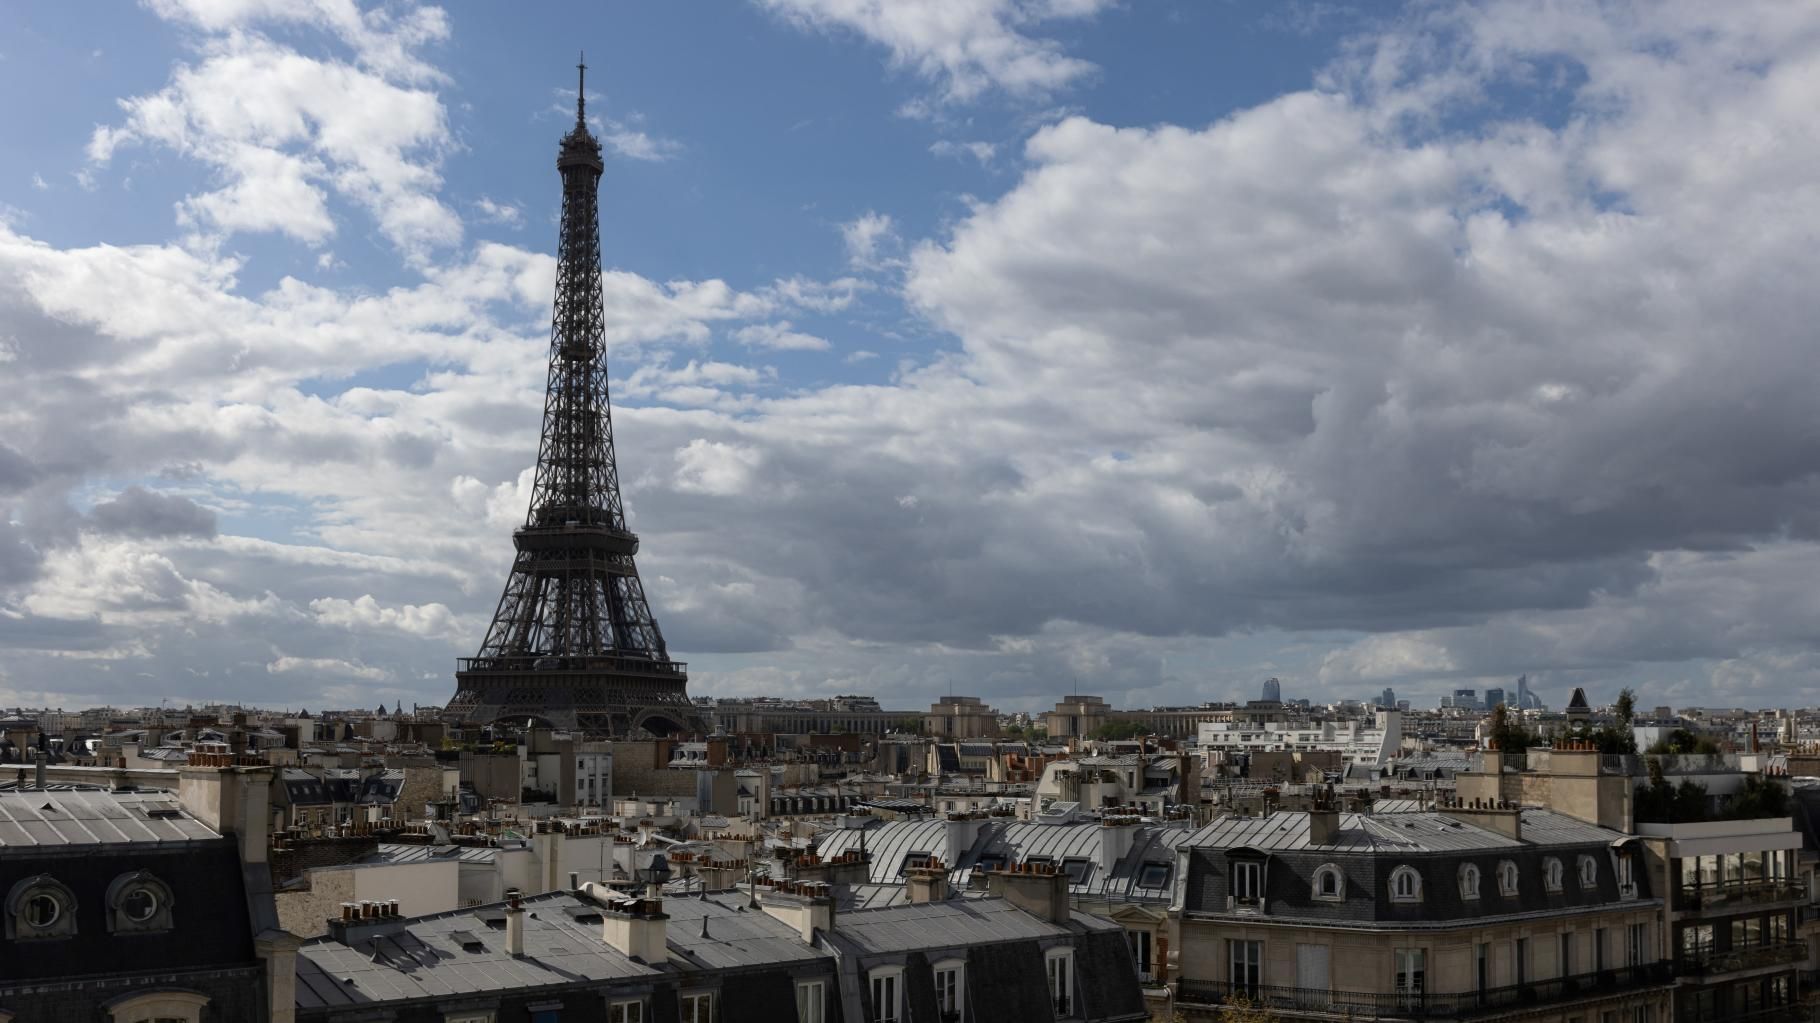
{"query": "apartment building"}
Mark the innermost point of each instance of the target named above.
(1450, 914)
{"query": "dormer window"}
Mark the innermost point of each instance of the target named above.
(1589, 872)
(1507, 878)
(1405, 885)
(1329, 884)
(39, 908)
(1469, 881)
(138, 903)
(1551, 874)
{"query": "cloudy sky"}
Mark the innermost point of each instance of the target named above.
(1002, 345)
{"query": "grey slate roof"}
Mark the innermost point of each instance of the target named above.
(32, 819)
(425, 957)
(1002, 842)
(1427, 831)
(1371, 848)
(937, 925)
(406, 852)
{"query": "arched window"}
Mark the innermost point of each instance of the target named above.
(1469, 881)
(1405, 885)
(1329, 883)
(1551, 873)
(139, 903)
(1589, 871)
(1507, 878)
(40, 907)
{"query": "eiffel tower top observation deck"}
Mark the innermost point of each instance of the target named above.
(573, 643)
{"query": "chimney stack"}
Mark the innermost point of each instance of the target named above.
(1035, 888)
(38, 772)
(927, 884)
(515, 923)
(637, 928)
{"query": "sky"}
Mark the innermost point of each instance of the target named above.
(1003, 347)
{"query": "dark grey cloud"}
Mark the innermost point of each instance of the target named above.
(139, 512)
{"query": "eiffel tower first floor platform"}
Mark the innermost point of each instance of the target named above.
(608, 697)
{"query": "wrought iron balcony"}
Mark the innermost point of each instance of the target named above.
(1774, 1014)
(1424, 1005)
(1749, 957)
(1739, 894)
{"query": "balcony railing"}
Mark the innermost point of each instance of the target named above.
(1750, 957)
(1423, 1005)
(1774, 1014)
(1728, 894)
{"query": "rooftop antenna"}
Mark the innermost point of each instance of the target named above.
(581, 90)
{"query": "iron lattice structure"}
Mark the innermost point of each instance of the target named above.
(573, 643)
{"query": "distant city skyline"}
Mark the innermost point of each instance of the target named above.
(1145, 350)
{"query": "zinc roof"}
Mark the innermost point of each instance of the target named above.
(33, 818)
(1425, 831)
(932, 925)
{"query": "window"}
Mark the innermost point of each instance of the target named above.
(1329, 884)
(1507, 877)
(1639, 1014)
(1778, 927)
(1522, 961)
(40, 908)
(1627, 882)
(811, 1002)
(1635, 945)
(887, 994)
(1469, 881)
(1077, 869)
(1551, 874)
(1566, 967)
(1589, 872)
(1311, 963)
(626, 1012)
(1247, 881)
(1246, 970)
(1140, 951)
(1598, 950)
(699, 1008)
(469, 1017)
(1696, 940)
(1061, 981)
(1155, 875)
(158, 1007)
(950, 992)
(914, 859)
(1481, 961)
(138, 903)
(1405, 885)
(1412, 974)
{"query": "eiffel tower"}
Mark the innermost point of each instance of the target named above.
(573, 644)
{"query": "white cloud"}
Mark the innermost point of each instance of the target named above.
(431, 620)
(39, 183)
(981, 152)
(966, 46)
(331, 666)
(869, 237)
(779, 336)
(285, 130)
(503, 213)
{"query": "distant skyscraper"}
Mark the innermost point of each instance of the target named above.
(1493, 697)
(1525, 701)
(1273, 690)
(1467, 698)
(1389, 699)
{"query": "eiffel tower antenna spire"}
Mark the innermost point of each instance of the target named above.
(581, 93)
(573, 643)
